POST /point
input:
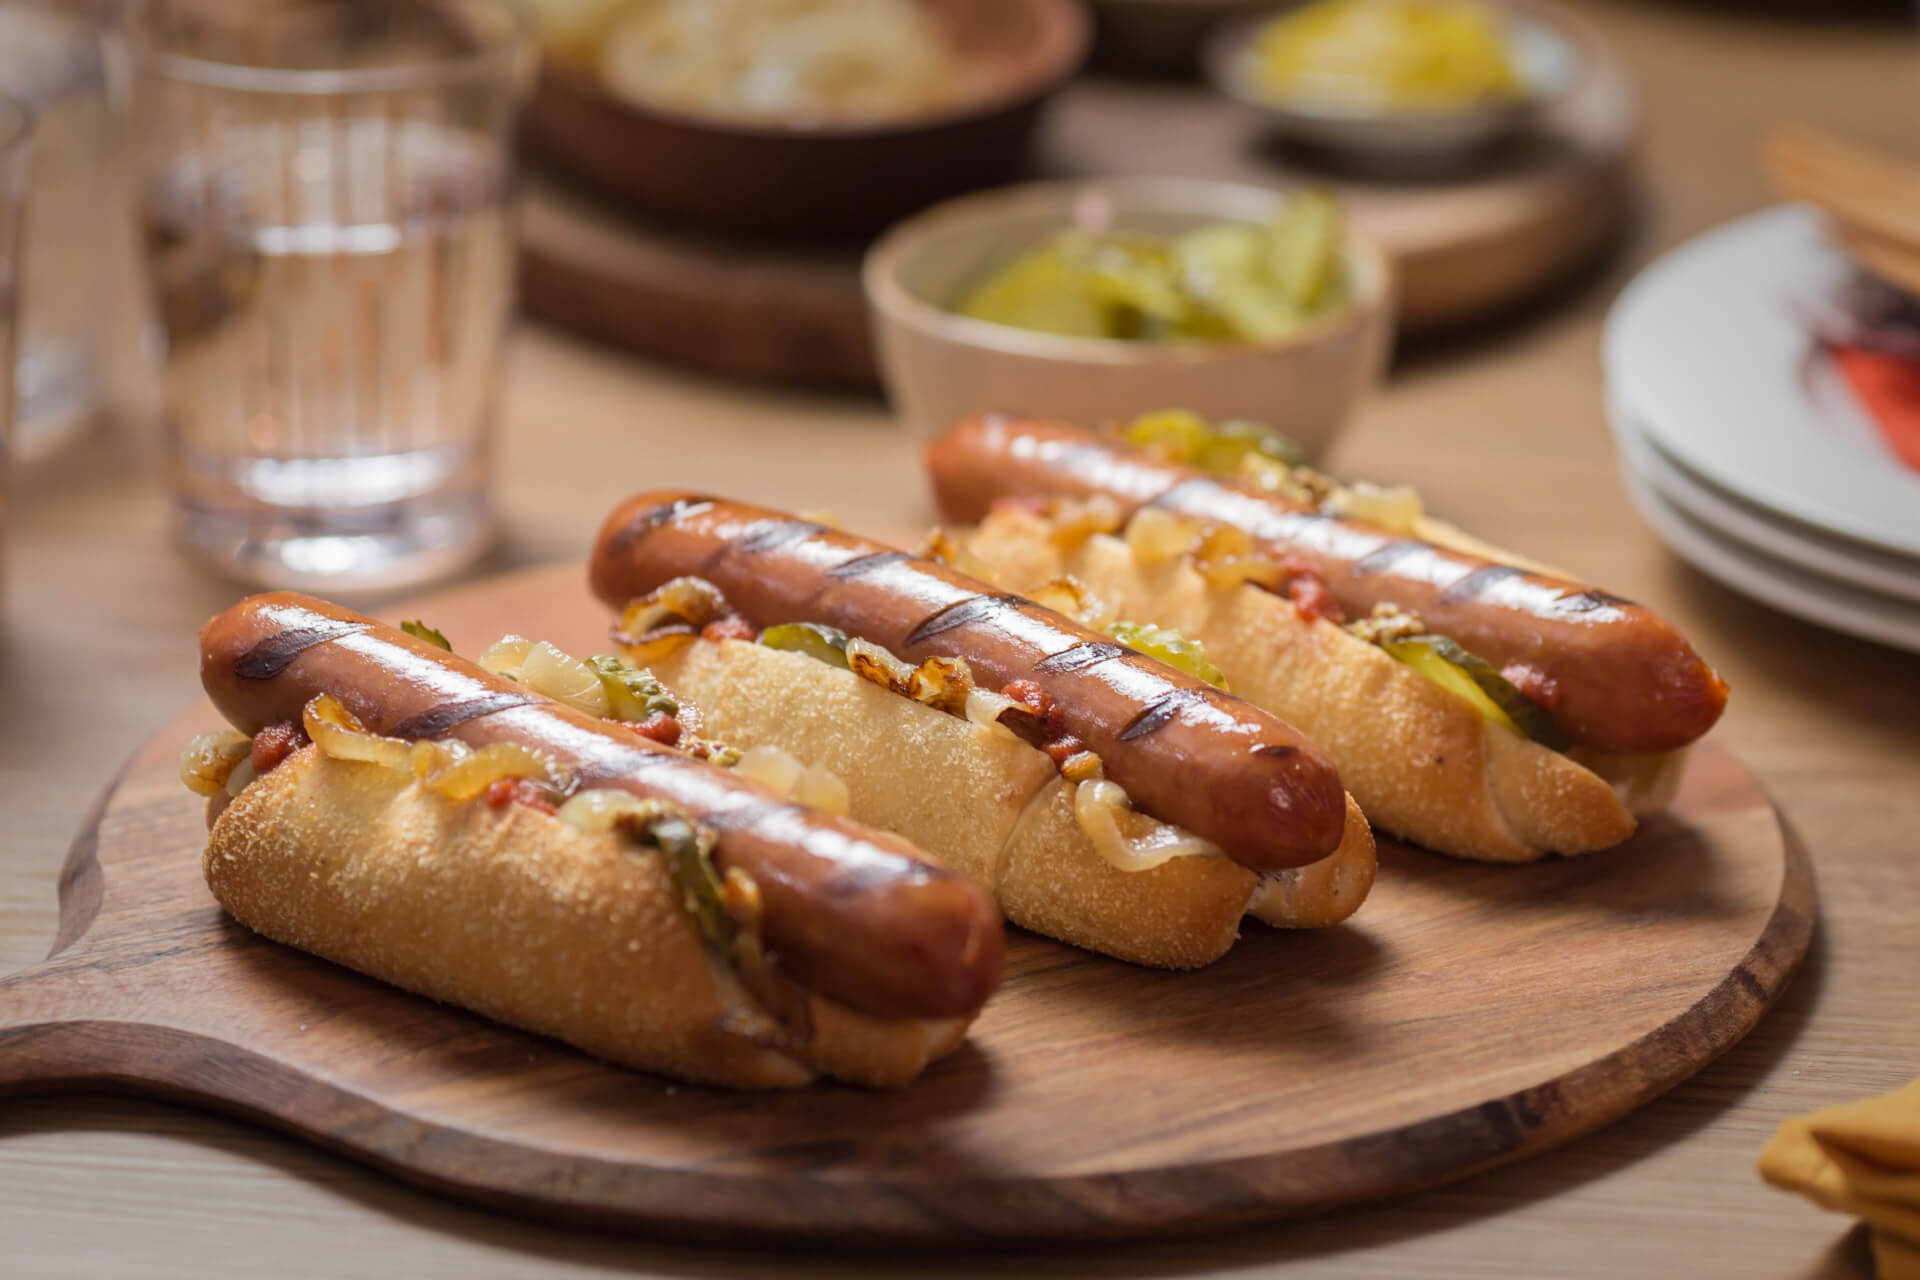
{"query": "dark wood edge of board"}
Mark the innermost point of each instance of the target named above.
(897, 1211)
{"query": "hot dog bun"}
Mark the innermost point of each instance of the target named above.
(996, 810)
(520, 916)
(1423, 764)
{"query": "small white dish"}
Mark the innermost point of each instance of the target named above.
(1547, 57)
(1786, 587)
(1707, 354)
(1850, 563)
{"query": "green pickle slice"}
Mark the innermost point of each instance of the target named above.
(1451, 667)
(816, 640)
(1171, 648)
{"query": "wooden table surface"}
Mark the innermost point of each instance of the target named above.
(1502, 431)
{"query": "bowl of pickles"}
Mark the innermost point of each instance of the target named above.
(1398, 79)
(1083, 300)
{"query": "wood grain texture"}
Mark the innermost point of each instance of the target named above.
(1464, 244)
(1469, 1015)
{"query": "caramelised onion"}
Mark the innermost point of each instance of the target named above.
(242, 777)
(1397, 508)
(504, 656)
(1225, 557)
(941, 683)
(429, 757)
(1075, 522)
(781, 773)
(336, 731)
(597, 809)
(942, 547)
(693, 601)
(985, 707)
(1156, 537)
(564, 678)
(474, 772)
(210, 759)
(1067, 594)
(1100, 806)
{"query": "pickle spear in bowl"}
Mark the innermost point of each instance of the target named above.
(1085, 300)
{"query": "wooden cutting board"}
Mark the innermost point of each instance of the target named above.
(1469, 1015)
(1466, 243)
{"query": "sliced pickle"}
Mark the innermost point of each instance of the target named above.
(1229, 443)
(632, 694)
(1179, 435)
(816, 640)
(1452, 668)
(421, 631)
(1169, 647)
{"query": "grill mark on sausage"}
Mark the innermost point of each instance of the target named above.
(1479, 582)
(1278, 750)
(652, 518)
(1157, 713)
(959, 614)
(1588, 601)
(859, 565)
(1388, 556)
(1088, 653)
(762, 535)
(771, 535)
(435, 721)
(275, 653)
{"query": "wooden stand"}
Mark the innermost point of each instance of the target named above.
(1470, 1014)
(1466, 242)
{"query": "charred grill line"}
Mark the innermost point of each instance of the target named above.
(771, 535)
(1156, 714)
(275, 653)
(652, 518)
(1386, 557)
(867, 563)
(1088, 653)
(438, 720)
(1479, 582)
(959, 614)
(1588, 601)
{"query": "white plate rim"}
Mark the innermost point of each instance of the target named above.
(1850, 564)
(1666, 293)
(1774, 583)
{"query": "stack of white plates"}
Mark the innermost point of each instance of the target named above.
(1740, 442)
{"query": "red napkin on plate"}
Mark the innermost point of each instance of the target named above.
(1889, 387)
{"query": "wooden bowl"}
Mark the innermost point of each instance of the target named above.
(821, 179)
(1548, 56)
(938, 366)
(1158, 37)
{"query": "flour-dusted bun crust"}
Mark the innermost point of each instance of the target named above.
(517, 915)
(1423, 764)
(995, 809)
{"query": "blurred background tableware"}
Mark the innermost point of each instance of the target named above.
(1744, 436)
(797, 117)
(1522, 219)
(940, 365)
(1406, 83)
(16, 144)
(53, 56)
(1159, 37)
(325, 198)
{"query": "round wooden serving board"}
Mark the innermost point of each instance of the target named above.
(1470, 1014)
(1465, 243)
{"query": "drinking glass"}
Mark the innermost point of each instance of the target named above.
(325, 202)
(16, 130)
(52, 57)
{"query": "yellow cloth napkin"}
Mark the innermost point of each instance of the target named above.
(1863, 1158)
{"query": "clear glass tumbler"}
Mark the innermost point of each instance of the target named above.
(53, 57)
(16, 137)
(325, 203)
